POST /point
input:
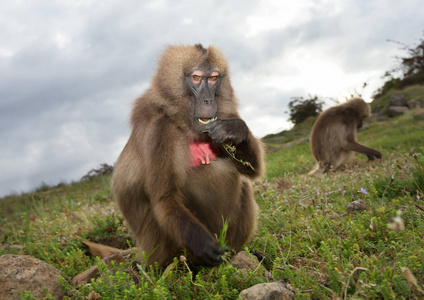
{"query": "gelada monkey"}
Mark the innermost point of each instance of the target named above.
(189, 161)
(333, 136)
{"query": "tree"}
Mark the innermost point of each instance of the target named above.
(301, 108)
(413, 66)
(410, 67)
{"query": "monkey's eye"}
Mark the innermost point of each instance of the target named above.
(212, 79)
(196, 78)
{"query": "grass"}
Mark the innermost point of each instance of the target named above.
(304, 230)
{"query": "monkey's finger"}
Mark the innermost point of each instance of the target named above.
(201, 154)
(219, 250)
(206, 151)
(211, 255)
(217, 260)
(214, 260)
(197, 154)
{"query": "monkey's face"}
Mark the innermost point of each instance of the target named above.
(203, 85)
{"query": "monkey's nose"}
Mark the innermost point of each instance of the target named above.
(208, 101)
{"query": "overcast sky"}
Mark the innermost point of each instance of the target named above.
(70, 69)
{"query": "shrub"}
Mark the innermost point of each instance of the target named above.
(300, 108)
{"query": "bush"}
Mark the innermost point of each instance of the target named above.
(300, 108)
(411, 67)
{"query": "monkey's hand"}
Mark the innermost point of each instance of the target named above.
(205, 250)
(374, 154)
(233, 131)
(377, 154)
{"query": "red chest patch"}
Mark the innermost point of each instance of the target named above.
(202, 153)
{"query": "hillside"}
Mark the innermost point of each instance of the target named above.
(309, 237)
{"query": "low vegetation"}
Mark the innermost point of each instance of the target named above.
(306, 233)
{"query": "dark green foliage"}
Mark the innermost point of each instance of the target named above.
(411, 67)
(391, 83)
(301, 109)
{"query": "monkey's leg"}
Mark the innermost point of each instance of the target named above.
(241, 228)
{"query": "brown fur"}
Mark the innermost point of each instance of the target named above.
(168, 204)
(333, 136)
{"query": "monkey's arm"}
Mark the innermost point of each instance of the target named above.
(355, 146)
(180, 224)
(248, 150)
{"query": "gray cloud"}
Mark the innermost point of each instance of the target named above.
(70, 70)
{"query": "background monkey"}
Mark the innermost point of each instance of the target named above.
(333, 136)
(174, 182)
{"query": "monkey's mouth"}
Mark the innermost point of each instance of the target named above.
(205, 121)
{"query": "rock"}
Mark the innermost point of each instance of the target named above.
(378, 109)
(302, 132)
(244, 262)
(398, 100)
(416, 103)
(268, 291)
(419, 115)
(377, 117)
(21, 273)
(363, 127)
(356, 205)
(394, 111)
(297, 142)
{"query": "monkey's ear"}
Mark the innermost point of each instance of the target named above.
(200, 48)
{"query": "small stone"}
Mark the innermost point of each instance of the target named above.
(244, 262)
(356, 205)
(268, 291)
